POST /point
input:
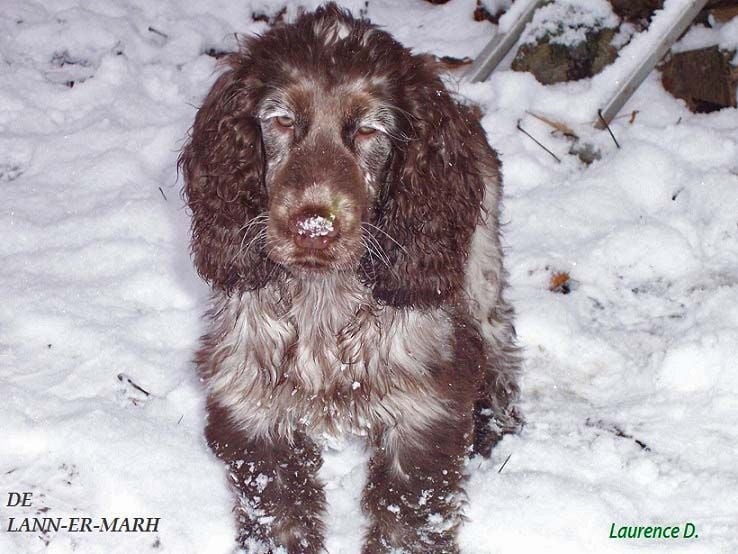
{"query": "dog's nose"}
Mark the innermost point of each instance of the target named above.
(314, 228)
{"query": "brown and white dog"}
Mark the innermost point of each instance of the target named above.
(345, 212)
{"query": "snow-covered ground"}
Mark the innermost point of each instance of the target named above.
(630, 387)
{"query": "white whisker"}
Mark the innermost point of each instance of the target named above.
(373, 247)
(386, 234)
(260, 220)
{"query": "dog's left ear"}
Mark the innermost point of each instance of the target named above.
(433, 196)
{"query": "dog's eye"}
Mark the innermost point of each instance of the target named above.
(365, 131)
(285, 121)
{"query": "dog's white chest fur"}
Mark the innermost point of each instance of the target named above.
(322, 357)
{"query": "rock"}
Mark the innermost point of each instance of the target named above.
(552, 62)
(636, 10)
(568, 40)
(482, 13)
(703, 78)
(724, 12)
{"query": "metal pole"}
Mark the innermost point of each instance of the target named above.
(641, 71)
(500, 45)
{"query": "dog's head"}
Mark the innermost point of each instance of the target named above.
(328, 146)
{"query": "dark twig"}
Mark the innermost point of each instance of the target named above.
(617, 431)
(602, 120)
(158, 32)
(123, 378)
(504, 463)
(531, 137)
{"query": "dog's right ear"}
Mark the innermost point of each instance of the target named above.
(223, 168)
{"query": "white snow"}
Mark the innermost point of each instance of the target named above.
(567, 22)
(630, 388)
(315, 226)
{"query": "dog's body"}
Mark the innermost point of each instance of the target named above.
(345, 211)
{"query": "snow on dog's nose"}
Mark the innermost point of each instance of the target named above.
(315, 229)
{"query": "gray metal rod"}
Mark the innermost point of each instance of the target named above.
(629, 85)
(499, 46)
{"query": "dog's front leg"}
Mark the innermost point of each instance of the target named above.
(415, 488)
(279, 499)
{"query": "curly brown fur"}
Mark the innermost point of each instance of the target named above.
(345, 213)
